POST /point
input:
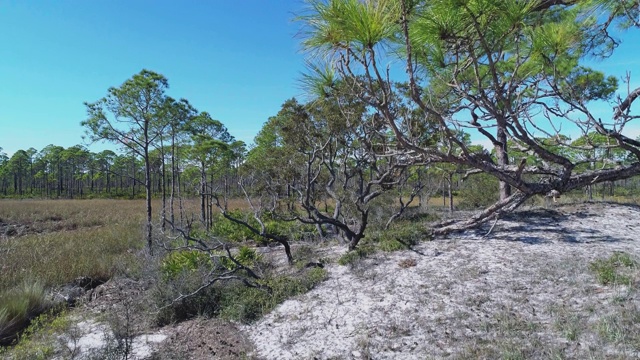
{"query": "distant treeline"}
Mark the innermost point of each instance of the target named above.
(76, 172)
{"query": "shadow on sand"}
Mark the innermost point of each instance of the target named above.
(542, 226)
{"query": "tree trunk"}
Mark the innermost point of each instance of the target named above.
(449, 184)
(203, 189)
(173, 181)
(164, 186)
(502, 157)
(444, 195)
(147, 184)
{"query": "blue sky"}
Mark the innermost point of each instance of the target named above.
(238, 60)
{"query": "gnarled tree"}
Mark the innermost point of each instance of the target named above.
(507, 71)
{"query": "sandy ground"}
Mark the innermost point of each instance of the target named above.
(523, 291)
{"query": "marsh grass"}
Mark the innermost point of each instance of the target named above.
(104, 236)
(62, 240)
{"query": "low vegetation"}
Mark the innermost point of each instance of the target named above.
(400, 236)
(357, 164)
(619, 269)
(55, 243)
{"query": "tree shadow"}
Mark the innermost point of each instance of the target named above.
(544, 226)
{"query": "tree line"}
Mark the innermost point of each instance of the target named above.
(78, 173)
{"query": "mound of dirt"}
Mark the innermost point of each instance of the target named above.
(204, 339)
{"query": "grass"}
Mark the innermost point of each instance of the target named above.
(18, 306)
(38, 340)
(98, 240)
(570, 326)
(615, 269)
(621, 327)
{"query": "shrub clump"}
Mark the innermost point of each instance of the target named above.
(363, 251)
(225, 228)
(244, 304)
(400, 236)
(229, 299)
(179, 262)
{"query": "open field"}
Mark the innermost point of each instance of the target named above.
(556, 283)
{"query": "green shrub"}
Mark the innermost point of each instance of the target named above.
(177, 262)
(167, 289)
(400, 236)
(232, 299)
(244, 304)
(477, 191)
(247, 256)
(232, 231)
(290, 229)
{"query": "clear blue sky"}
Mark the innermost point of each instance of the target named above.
(239, 60)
